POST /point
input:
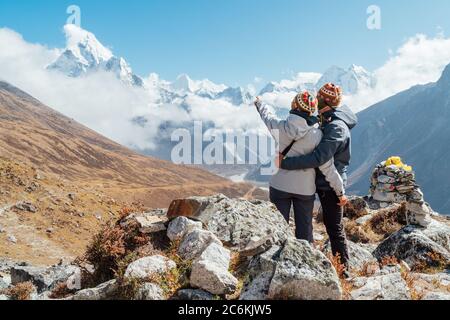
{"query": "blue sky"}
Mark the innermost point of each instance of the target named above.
(233, 41)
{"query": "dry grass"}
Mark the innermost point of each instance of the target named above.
(21, 291)
(340, 268)
(433, 263)
(170, 282)
(239, 268)
(383, 224)
(61, 291)
(389, 261)
(355, 209)
(115, 243)
(388, 221)
(368, 269)
(410, 283)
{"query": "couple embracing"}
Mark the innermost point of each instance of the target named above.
(314, 155)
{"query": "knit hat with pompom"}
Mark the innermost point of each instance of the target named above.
(306, 102)
(331, 94)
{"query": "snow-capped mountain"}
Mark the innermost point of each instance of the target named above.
(412, 124)
(184, 85)
(302, 81)
(236, 96)
(84, 54)
(206, 88)
(351, 80)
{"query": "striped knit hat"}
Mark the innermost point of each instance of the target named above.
(331, 94)
(306, 102)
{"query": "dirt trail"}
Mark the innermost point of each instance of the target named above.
(29, 242)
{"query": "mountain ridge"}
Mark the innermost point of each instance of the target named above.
(414, 125)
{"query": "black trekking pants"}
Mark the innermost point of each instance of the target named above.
(332, 218)
(303, 211)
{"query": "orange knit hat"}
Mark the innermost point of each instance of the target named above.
(306, 102)
(331, 94)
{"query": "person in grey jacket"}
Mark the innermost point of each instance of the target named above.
(298, 135)
(336, 123)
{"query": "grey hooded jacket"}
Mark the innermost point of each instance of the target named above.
(296, 128)
(336, 144)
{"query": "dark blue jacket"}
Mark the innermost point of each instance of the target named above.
(336, 142)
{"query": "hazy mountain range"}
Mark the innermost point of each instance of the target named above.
(150, 108)
(413, 124)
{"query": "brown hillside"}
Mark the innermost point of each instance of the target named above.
(39, 146)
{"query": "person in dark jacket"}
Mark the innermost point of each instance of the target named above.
(336, 123)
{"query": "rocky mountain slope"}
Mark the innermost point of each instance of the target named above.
(206, 248)
(414, 125)
(45, 156)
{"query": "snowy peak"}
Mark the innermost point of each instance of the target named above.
(84, 54)
(351, 80)
(184, 83)
(236, 96)
(204, 88)
(85, 46)
(300, 82)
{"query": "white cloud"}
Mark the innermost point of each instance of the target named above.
(108, 111)
(420, 60)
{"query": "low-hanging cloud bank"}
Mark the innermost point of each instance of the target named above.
(420, 60)
(100, 101)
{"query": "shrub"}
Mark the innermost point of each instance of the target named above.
(340, 268)
(388, 221)
(111, 245)
(61, 291)
(21, 291)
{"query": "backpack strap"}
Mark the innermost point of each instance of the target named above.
(286, 151)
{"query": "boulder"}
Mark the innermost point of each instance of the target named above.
(194, 295)
(257, 246)
(73, 282)
(357, 207)
(210, 271)
(150, 292)
(149, 266)
(149, 222)
(3, 297)
(385, 287)
(439, 233)
(358, 255)
(418, 214)
(45, 279)
(105, 291)
(195, 242)
(261, 270)
(25, 206)
(258, 288)
(180, 226)
(4, 282)
(303, 273)
(236, 222)
(413, 246)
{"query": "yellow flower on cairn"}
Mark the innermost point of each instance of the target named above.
(397, 161)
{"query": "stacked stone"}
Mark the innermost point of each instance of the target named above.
(395, 184)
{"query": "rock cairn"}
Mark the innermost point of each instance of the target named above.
(395, 182)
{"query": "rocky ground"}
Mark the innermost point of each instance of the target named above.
(221, 248)
(45, 218)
